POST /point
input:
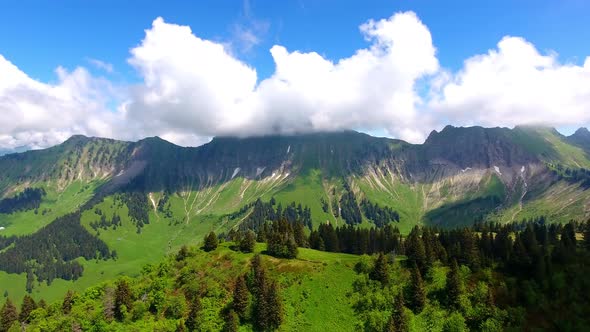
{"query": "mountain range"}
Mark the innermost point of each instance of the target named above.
(457, 177)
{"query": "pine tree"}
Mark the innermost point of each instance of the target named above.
(182, 253)
(587, 235)
(261, 309)
(398, 317)
(232, 321)
(275, 306)
(258, 276)
(390, 327)
(66, 306)
(418, 294)
(193, 322)
(453, 287)
(26, 308)
(8, 315)
(415, 249)
(380, 271)
(123, 299)
(248, 242)
(210, 242)
(241, 297)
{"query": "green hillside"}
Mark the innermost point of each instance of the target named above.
(459, 176)
(476, 288)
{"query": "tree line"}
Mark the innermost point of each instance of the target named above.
(28, 199)
(50, 253)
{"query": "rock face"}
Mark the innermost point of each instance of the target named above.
(462, 161)
(155, 164)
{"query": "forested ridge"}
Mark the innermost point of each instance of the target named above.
(489, 277)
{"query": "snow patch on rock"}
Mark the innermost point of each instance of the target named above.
(236, 171)
(465, 170)
(497, 169)
(259, 170)
(288, 149)
(522, 169)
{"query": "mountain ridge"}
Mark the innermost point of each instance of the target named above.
(459, 158)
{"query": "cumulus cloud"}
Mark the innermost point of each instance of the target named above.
(193, 85)
(192, 89)
(515, 84)
(36, 114)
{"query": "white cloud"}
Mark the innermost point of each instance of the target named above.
(248, 31)
(515, 84)
(192, 89)
(194, 86)
(107, 67)
(191, 86)
(37, 115)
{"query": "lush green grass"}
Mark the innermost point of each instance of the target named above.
(475, 205)
(56, 203)
(551, 146)
(569, 155)
(160, 237)
(308, 190)
(316, 292)
(406, 199)
(562, 202)
(315, 285)
(13, 285)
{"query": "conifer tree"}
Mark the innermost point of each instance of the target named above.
(380, 271)
(275, 306)
(232, 321)
(398, 319)
(8, 315)
(192, 320)
(26, 308)
(258, 276)
(210, 242)
(415, 249)
(262, 309)
(123, 299)
(453, 287)
(66, 306)
(241, 297)
(248, 242)
(587, 235)
(417, 292)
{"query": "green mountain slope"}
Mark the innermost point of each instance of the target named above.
(457, 177)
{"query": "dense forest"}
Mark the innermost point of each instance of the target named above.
(489, 277)
(534, 273)
(28, 199)
(573, 175)
(51, 252)
(258, 213)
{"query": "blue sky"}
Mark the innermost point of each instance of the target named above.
(37, 37)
